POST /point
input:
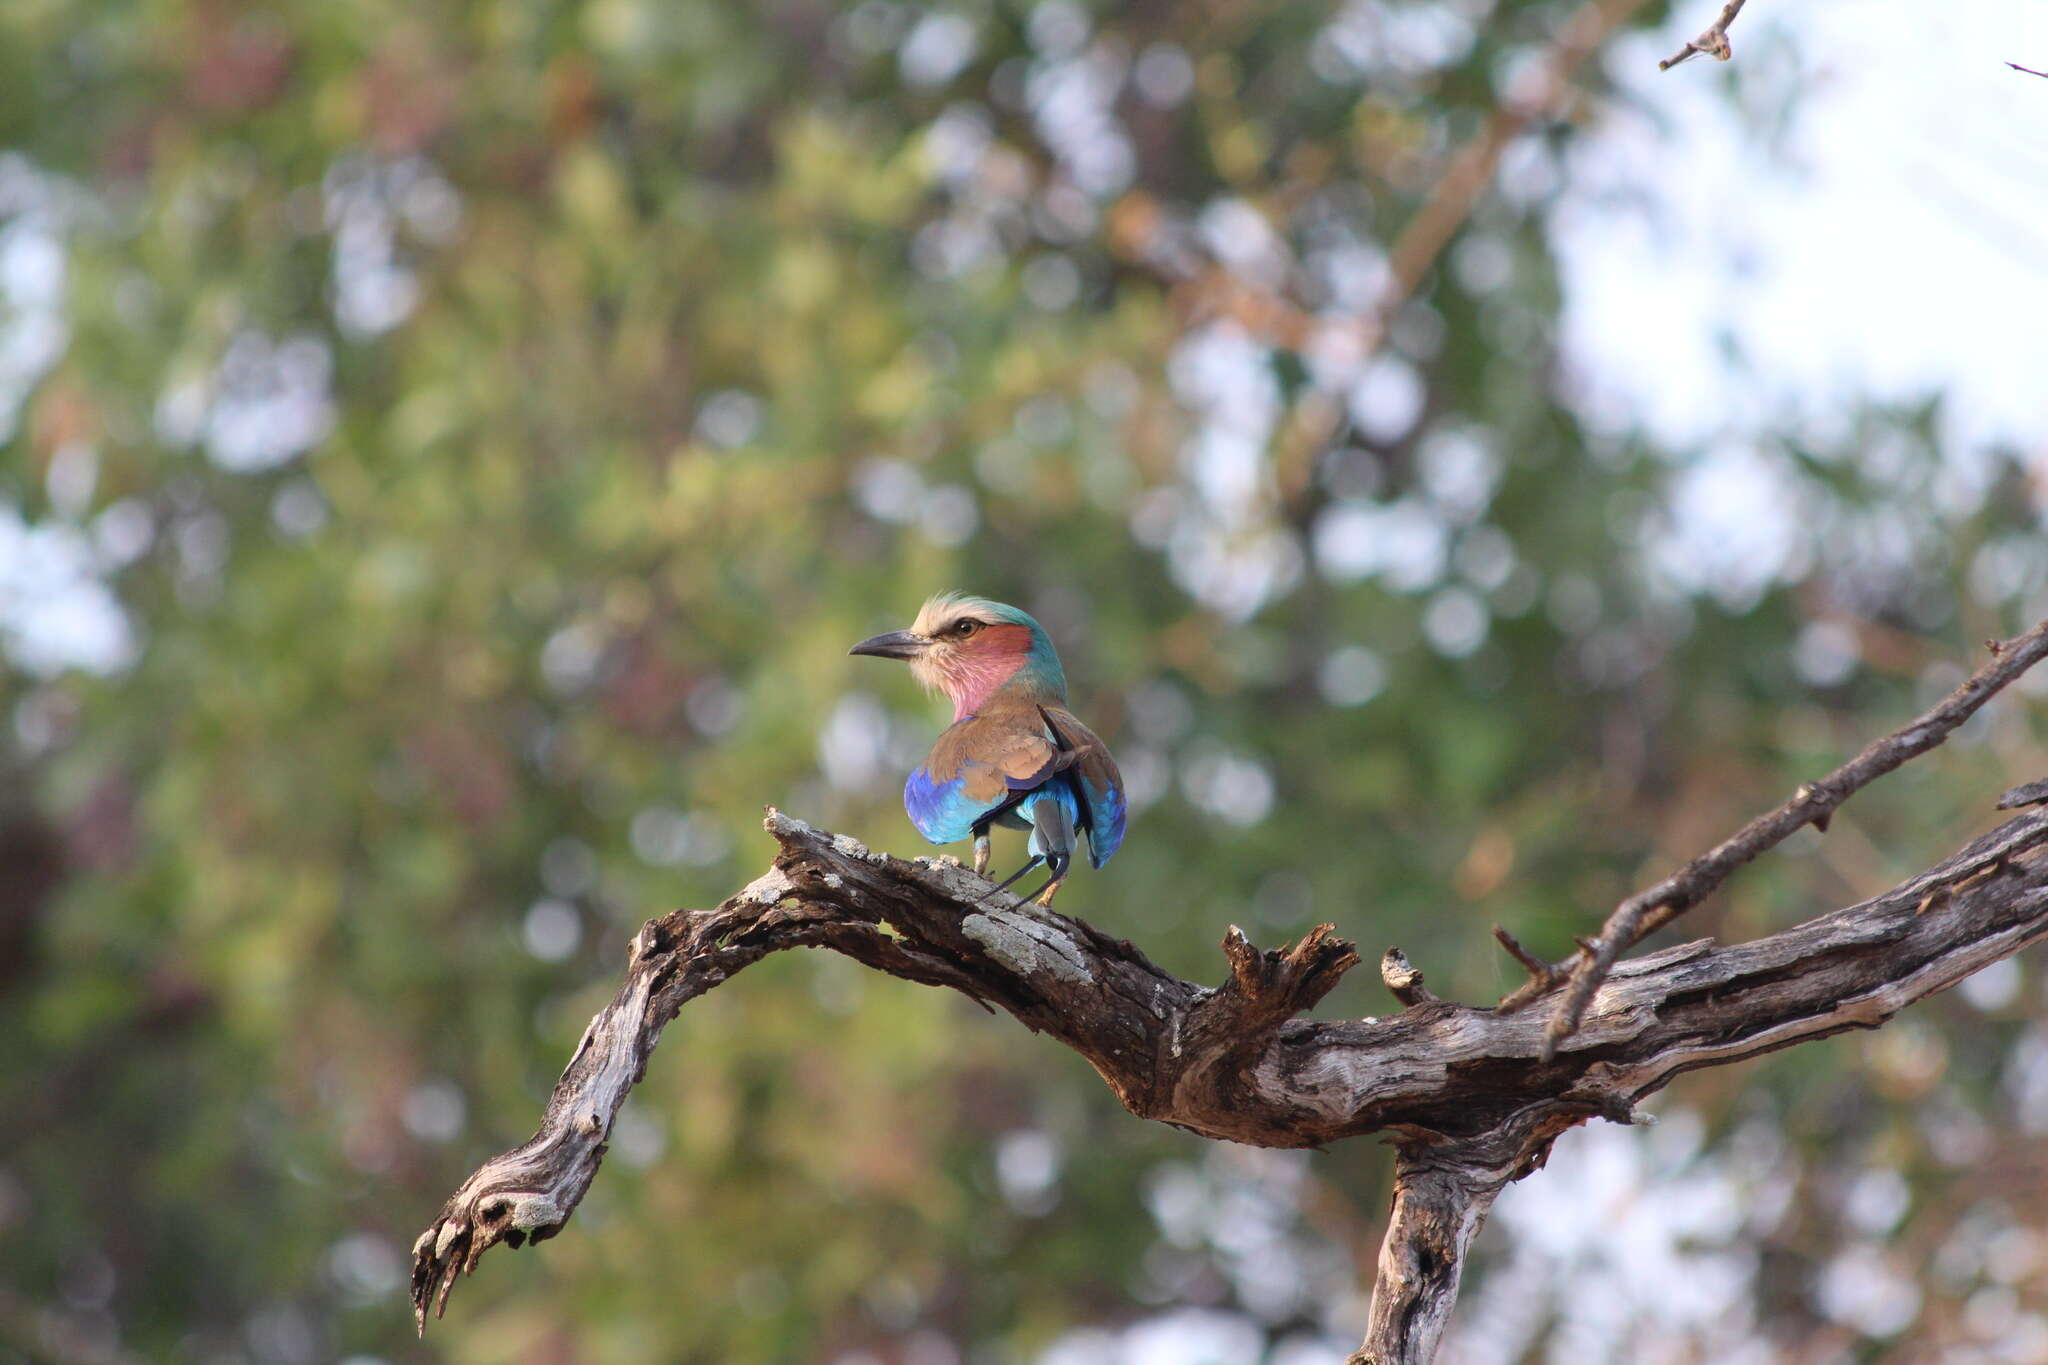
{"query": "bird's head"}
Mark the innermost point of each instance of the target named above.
(969, 648)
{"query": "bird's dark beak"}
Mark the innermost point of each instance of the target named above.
(897, 644)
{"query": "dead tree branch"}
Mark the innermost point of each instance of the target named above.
(1714, 41)
(1813, 804)
(1473, 1098)
(2028, 70)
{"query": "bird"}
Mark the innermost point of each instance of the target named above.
(1014, 754)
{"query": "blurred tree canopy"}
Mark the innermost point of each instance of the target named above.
(446, 451)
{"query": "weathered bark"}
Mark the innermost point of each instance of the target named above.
(1472, 1097)
(1439, 1207)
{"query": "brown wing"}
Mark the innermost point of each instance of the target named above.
(996, 753)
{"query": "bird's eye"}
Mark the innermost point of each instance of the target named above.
(966, 628)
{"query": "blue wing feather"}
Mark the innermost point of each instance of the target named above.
(1097, 787)
(1106, 817)
(943, 811)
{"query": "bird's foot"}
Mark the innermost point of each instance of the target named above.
(981, 855)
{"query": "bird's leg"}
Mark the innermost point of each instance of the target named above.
(1059, 863)
(1004, 884)
(1052, 831)
(981, 850)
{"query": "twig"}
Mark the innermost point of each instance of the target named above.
(2026, 794)
(2028, 69)
(1647, 911)
(1714, 42)
(1543, 978)
(1404, 980)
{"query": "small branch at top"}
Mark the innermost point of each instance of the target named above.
(2028, 69)
(1714, 42)
(1648, 911)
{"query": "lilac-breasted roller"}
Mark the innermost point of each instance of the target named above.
(1014, 755)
